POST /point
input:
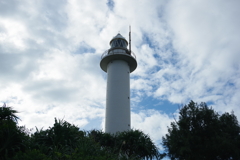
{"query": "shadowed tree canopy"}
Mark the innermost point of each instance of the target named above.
(8, 114)
(65, 141)
(132, 144)
(201, 133)
(12, 136)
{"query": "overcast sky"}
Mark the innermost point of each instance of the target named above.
(50, 52)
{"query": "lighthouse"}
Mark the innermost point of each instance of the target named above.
(118, 62)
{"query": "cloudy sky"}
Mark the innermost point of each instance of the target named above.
(50, 52)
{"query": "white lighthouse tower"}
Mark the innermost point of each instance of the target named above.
(118, 62)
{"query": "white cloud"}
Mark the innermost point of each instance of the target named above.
(151, 122)
(205, 34)
(13, 36)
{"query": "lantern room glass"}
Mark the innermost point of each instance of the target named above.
(119, 43)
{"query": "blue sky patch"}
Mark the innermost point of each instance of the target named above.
(146, 39)
(110, 4)
(84, 48)
(158, 104)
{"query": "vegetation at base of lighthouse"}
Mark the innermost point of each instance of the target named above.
(65, 141)
(198, 133)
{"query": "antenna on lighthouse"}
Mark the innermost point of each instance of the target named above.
(130, 39)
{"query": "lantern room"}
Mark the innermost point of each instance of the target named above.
(118, 42)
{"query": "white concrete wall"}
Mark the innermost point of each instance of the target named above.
(118, 97)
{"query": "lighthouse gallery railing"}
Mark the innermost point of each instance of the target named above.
(107, 53)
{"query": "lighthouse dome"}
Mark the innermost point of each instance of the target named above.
(118, 42)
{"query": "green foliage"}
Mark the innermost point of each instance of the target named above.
(105, 140)
(64, 141)
(135, 143)
(201, 133)
(33, 154)
(8, 114)
(132, 144)
(12, 137)
(61, 134)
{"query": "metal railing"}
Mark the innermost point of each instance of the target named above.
(107, 53)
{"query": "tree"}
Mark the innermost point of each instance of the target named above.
(8, 114)
(12, 136)
(61, 134)
(132, 144)
(64, 141)
(201, 133)
(105, 140)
